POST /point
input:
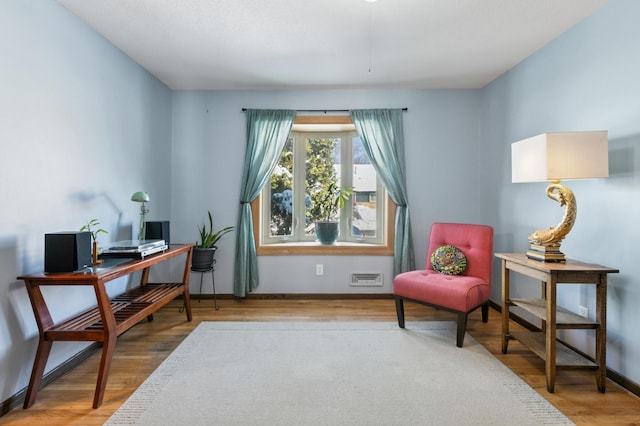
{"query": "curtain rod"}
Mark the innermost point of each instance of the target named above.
(324, 110)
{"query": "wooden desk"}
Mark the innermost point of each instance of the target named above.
(544, 344)
(109, 318)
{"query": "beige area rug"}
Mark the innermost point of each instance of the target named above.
(333, 373)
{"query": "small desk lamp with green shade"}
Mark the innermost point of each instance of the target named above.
(141, 197)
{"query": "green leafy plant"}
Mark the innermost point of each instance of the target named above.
(209, 237)
(329, 200)
(91, 226)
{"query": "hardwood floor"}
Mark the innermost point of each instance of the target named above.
(139, 351)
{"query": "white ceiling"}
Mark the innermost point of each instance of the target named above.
(276, 44)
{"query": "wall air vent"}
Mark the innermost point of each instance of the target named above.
(366, 279)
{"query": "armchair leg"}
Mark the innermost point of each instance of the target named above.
(462, 327)
(400, 311)
(485, 312)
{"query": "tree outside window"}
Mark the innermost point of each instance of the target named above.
(313, 161)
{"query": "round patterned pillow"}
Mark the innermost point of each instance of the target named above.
(449, 260)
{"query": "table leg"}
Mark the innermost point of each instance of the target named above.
(185, 281)
(505, 307)
(42, 355)
(109, 343)
(543, 323)
(44, 321)
(550, 362)
(144, 279)
(601, 333)
(108, 347)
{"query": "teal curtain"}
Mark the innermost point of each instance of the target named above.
(267, 132)
(383, 139)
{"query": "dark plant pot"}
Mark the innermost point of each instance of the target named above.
(327, 232)
(202, 260)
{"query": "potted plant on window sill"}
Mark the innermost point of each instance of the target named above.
(205, 248)
(329, 201)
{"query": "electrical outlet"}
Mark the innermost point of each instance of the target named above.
(583, 311)
(319, 269)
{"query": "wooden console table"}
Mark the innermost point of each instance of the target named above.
(544, 343)
(109, 318)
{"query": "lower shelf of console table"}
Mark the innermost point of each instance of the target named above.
(566, 358)
(110, 317)
(128, 309)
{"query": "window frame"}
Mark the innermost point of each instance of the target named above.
(354, 247)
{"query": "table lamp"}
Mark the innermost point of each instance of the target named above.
(554, 157)
(141, 197)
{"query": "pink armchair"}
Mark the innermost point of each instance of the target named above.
(461, 293)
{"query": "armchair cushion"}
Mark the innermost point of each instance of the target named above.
(449, 260)
(457, 292)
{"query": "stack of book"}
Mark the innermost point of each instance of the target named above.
(136, 249)
(545, 253)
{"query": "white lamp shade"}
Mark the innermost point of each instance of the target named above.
(560, 156)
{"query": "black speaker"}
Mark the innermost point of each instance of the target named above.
(157, 231)
(67, 251)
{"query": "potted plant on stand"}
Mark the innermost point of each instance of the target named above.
(329, 200)
(205, 248)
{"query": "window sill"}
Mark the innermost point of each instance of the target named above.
(313, 248)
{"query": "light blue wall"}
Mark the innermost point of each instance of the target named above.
(588, 79)
(82, 127)
(441, 132)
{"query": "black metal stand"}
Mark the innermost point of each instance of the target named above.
(213, 282)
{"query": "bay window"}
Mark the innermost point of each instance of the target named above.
(284, 214)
